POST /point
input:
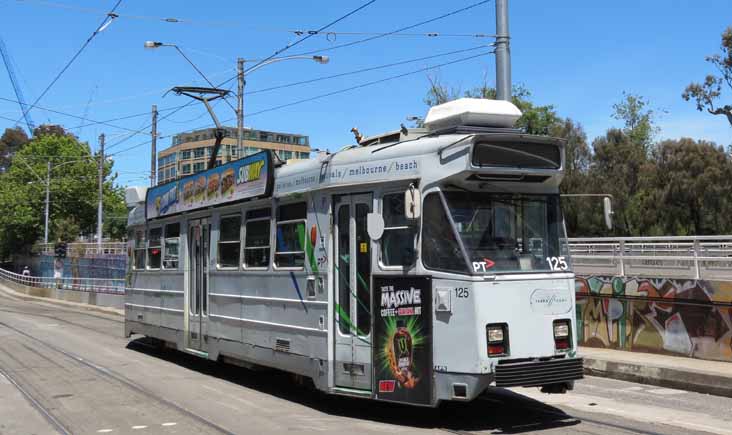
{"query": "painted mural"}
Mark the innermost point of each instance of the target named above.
(682, 317)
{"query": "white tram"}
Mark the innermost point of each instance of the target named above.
(419, 266)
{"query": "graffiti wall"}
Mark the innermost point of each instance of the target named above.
(682, 317)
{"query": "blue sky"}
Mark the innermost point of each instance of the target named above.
(577, 55)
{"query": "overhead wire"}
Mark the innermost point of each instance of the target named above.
(305, 38)
(340, 91)
(276, 52)
(362, 85)
(70, 115)
(393, 32)
(108, 18)
(87, 10)
(333, 33)
(362, 70)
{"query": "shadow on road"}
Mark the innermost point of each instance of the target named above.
(498, 410)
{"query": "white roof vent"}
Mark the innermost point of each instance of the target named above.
(472, 111)
(135, 195)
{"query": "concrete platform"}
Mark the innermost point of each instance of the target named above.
(709, 377)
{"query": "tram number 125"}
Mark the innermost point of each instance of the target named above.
(557, 263)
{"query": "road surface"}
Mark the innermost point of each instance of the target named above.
(67, 370)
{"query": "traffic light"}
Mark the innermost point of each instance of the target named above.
(60, 250)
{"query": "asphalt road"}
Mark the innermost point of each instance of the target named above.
(66, 370)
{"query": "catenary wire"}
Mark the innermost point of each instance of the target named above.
(363, 70)
(362, 85)
(89, 121)
(305, 38)
(399, 30)
(110, 16)
(317, 97)
(277, 52)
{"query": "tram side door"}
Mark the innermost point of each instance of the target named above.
(197, 301)
(352, 292)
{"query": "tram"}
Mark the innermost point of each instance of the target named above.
(418, 266)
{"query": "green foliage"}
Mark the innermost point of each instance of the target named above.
(73, 193)
(10, 142)
(535, 119)
(706, 94)
(675, 187)
(65, 229)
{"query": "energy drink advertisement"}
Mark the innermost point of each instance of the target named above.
(403, 339)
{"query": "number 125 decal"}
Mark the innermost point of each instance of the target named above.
(557, 263)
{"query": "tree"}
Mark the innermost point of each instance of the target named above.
(638, 119)
(692, 180)
(578, 156)
(534, 119)
(50, 130)
(708, 93)
(10, 142)
(73, 192)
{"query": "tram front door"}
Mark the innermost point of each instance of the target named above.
(352, 292)
(197, 276)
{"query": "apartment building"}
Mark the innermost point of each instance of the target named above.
(191, 151)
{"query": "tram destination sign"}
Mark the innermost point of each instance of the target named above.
(403, 339)
(249, 177)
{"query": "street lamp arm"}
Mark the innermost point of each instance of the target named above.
(319, 59)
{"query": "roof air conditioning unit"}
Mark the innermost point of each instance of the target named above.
(476, 112)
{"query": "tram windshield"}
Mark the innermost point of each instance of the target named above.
(501, 233)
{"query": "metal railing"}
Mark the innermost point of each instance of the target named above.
(86, 249)
(90, 285)
(700, 257)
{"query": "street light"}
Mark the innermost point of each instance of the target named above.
(240, 94)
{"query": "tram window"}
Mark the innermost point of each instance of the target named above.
(229, 241)
(440, 248)
(397, 243)
(139, 248)
(171, 247)
(154, 248)
(256, 239)
(290, 250)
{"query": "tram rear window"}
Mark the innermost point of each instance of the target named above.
(517, 154)
(154, 247)
(139, 250)
(229, 241)
(290, 252)
(172, 243)
(256, 239)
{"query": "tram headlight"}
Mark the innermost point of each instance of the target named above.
(497, 337)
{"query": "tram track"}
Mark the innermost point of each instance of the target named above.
(36, 404)
(105, 374)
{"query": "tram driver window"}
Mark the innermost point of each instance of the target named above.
(229, 241)
(256, 239)
(171, 247)
(139, 250)
(290, 249)
(154, 248)
(397, 243)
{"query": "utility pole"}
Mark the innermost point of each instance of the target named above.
(101, 193)
(503, 52)
(240, 108)
(154, 134)
(48, 193)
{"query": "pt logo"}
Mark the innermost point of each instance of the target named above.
(483, 266)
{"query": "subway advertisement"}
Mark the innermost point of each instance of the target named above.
(403, 339)
(249, 177)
